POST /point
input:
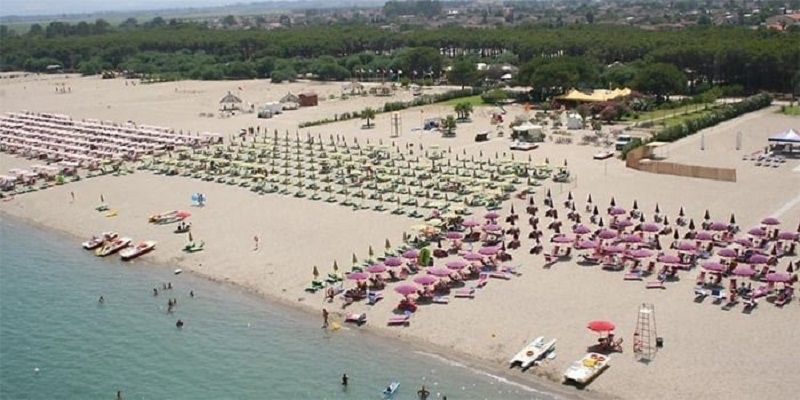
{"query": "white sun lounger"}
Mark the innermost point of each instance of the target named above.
(534, 351)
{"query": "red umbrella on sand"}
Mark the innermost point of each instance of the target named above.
(601, 326)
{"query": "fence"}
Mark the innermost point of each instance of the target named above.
(636, 160)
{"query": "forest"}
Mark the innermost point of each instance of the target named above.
(549, 58)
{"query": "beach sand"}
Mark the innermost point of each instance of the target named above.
(706, 349)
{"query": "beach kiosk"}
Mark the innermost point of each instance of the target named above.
(528, 132)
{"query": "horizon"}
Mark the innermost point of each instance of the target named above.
(25, 8)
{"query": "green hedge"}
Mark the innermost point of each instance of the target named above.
(718, 115)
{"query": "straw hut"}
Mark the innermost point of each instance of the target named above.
(308, 99)
(230, 102)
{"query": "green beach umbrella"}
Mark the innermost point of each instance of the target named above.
(315, 272)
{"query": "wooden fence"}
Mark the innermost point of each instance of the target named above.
(636, 160)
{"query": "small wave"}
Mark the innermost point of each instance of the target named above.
(497, 378)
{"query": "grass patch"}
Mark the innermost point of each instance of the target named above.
(660, 114)
(679, 119)
(474, 100)
(791, 110)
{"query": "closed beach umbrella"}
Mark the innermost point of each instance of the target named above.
(315, 272)
(658, 209)
(393, 262)
(425, 279)
(635, 205)
(707, 216)
(681, 213)
(406, 289)
(691, 224)
(335, 266)
(732, 221)
(613, 202)
(601, 326)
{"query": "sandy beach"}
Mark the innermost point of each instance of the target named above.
(732, 354)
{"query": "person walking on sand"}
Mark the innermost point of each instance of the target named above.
(324, 317)
(72, 195)
(255, 240)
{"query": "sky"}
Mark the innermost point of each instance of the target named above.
(56, 7)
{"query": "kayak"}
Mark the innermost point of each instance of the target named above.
(389, 391)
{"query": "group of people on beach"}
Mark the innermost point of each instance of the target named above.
(422, 394)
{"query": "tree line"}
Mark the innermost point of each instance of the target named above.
(550, 59)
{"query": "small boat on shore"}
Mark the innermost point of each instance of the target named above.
(113, 246)
(389, 392)
(137, 250)
(97, 240)
(586, 369)
(533, 352)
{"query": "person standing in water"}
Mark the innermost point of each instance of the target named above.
(119, 395)
(344, 380)
(324, 317)
(101, 300)
(423, 393)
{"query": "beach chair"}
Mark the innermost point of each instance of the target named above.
(465, 293)
(700, 292)
(655, 285)
(499, 275)
(633, 276)
(441, 299)
(402, 320)
(483, 279)
(374, 297)
(718, 295)
(356, 318)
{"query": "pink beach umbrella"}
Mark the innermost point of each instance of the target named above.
(727, 253)
(413, 253)
(613, 249)
(492, 228)
(406, 289)
(757, 259)
(491, 215)
(757, 232)
(357, 276)
(770, 221)
(651, 228)
(713, 266)
(778, 277)
(617, 211)
(454, 235)
(632, 239)
(456, 264)
(743, 241)
(687, 246)
(786, 235)
(641, 253)
(581, 229)
(426, 279)
(624, 223)
(563, 239)
(704, 236)
(718, 226)
(587, 244)
(470, 223)
(607, 234)
(744, 270)
(488, 251)
(376, 268)
(439, 271)
(669, 259)
(393, 262)
(473, 257)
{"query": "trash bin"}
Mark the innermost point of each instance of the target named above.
(659, 342)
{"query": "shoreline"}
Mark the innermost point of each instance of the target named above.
(474, 364)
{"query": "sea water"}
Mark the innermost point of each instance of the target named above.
(57, 341)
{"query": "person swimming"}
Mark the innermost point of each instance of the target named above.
(101, 300)
(155, 291)
(179, 324)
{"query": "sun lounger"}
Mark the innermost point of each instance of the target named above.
(500, 275)
(533, 352)
(483, 279)
(587, 368)
(700, 292)
(655, 285)
(441, 299)
(465, 293)
(718, 294)
(374, 297)
(404, 320)
(633, 276)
